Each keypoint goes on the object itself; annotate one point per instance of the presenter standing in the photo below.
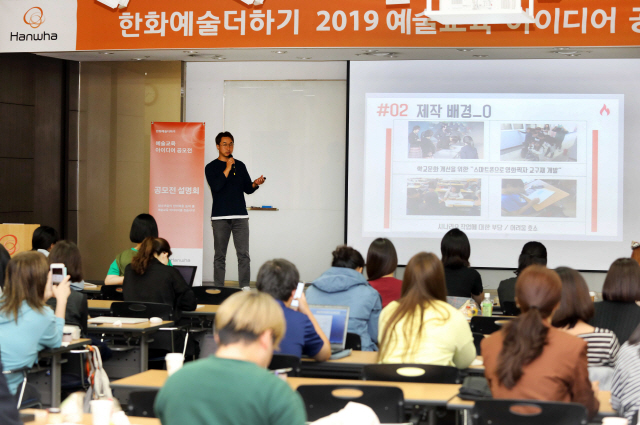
(229, 180)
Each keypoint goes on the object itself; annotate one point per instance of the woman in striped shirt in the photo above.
(575, 310)
(625, 390)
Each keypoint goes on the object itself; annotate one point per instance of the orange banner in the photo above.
(176, 184)
(167, 24)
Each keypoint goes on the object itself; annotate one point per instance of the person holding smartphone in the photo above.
(27, 324)
(280, 279)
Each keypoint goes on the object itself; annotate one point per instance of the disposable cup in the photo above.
(614, 421)
(101, 411)
(174, 362)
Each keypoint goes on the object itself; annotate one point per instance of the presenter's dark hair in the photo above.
(532, 253)
(382, 258)
(278, 278)
(67, 253)
(143, 226)
(223, 134)
(4, 260)
(575, 303)
(622, 283)
(538, 292)
(347, 257)
(455, 249)
(148, 248)
(43, 237)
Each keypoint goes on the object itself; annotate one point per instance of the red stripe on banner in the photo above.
(594, 183)
(387, 182)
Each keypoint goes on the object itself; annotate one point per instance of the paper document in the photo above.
(541, 194)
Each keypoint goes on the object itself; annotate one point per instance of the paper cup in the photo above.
(101, 411)
(614, 421)
(593, 296)
(174, 362)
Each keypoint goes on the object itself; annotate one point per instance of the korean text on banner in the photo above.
(176, 197)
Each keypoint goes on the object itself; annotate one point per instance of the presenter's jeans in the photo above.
(222, 230)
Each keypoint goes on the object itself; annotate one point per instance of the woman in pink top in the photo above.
(382, 261)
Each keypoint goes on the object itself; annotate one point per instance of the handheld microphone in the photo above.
(233, 166)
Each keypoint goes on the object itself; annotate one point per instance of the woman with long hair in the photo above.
(462, 281)
(382, 262)
(27, 324)
(532, 253)
(150, 279)
(421, 327)
(530, 359)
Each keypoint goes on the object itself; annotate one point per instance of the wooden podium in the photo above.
(17, 237)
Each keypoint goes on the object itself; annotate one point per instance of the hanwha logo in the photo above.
(34, 17)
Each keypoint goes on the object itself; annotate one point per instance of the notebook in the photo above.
(333, 320)
(188, 273)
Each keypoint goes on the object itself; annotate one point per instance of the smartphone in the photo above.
(297, 295)
(58, 272)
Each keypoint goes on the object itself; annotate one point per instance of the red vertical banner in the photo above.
(176, 189)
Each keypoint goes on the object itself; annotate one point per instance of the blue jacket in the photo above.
(344, 286)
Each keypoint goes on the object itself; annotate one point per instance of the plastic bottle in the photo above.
(474, 308)
(487, 305)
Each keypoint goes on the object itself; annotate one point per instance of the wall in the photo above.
(36, 101)
(118, 102)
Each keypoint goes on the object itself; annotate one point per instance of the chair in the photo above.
(510, 308)
(426, 374)
(487, 325)
(528, 412)
(353, 342)
(285, 361)
(386, 402)
(477, 340)
(23, 386)
(213, 294)
(111, 292)
(141, 404)
(141, 310)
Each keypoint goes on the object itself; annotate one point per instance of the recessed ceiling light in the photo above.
(480, 56)
(137, 59)
(189, 51)
(381, 54)
(573, 55)
(465, 50)
(280, 52)
(105, 53)
(370, 51)
(562, 48)
(218, 58)
(304, 58)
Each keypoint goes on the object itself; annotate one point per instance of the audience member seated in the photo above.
(150, 279)
(8, 411)
(468, 151)
(77, 312)
(27, 325)
(462, 281)
(4, 260)
(343, 284)
(279, 278)
(233, 387)
(382, 262)
(530, 359)
(143, 226)
(422, 327)
(43, 239)
(625, 390)
(532, 253)
(576, 309)
(619, 311)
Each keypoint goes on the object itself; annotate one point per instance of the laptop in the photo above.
(188, 273)
(333, 320)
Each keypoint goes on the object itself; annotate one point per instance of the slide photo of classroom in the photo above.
(444, 196)
(446, 140)
(538, 198)
(539, 142)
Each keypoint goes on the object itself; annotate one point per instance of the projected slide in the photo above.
(494, 165)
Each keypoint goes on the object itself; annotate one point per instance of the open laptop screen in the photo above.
(188, 273)
(333, 320)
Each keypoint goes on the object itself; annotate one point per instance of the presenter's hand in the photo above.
(259, 181)
(230, 163)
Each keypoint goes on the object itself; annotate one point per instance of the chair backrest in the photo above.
(408, 372)
(509, 308)
(213, 294)
(353, 342)
(487, 325)
(284, 361)
(386, 402)
(141, 404)
(141, 310)
(111, 292)
(528, 412)
(477, 340)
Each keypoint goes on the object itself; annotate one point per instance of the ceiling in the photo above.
(344, 54)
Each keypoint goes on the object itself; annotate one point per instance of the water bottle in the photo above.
(487, 305)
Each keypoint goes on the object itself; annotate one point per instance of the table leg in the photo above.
(144, 352)
(56, 379)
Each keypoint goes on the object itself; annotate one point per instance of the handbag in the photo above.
(99, 387)
(475, 388)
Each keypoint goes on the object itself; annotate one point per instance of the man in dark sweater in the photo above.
(229, 180)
